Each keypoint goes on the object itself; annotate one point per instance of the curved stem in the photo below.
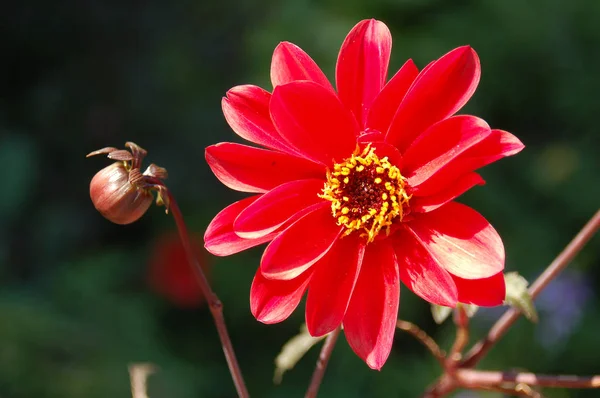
(443, 386)
(215, 305)
(461, 320)
(424, 339)
(479, 350)
(324, 356)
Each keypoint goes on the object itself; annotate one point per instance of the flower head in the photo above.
(355, 189)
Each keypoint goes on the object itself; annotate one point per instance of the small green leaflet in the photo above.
(518, 297)
(293, 351)
(441, 313)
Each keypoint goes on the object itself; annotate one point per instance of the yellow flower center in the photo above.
(367, 193)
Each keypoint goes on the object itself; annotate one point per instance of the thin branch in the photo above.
(479, 350)
(443, 386)
(470, 378)
(424, 339)
(520, 390)
(215, 305)
(324, 356)
(461, 320)
(511, 383)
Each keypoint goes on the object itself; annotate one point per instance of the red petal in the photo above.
(437, 93)
(369, 135)
(370, 321)
(387, 102)
(362, 65)
(275, 207)
(421, 273)
(460, 240)
(499, 144)
(332, 284)
(439, 146)
(300, 245)
(314, 121)
(425, 204)
(250, 169)
(246, 109)
(486, 292)
(272, 301)
(496, 145)
(383, 149)
(291, 63)
(219, 238)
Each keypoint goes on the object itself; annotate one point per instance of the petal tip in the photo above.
(375, 363)
(282, 45)
(318, 330)
(469, 55)
(265, 317)
(210, 247)
(467, 48)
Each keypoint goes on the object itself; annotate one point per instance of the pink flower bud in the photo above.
(116, 198)
(120, 192)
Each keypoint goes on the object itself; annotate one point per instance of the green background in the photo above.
(76, 76)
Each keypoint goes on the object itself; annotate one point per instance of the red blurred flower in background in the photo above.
(356, 187)
(171, 276)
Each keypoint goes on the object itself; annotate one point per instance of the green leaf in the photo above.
(440, 313)
(138, 375)
(517, 295)
(293, 351)
(471, 309)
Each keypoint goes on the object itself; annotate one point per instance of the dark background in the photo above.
(75, 303)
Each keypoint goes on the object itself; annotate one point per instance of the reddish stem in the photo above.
(215, 305)
(479, 350)
(513, 383)
(424, 339)
(324, 356)
(481, 378)
(461, 320)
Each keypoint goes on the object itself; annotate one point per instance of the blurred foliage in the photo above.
(76, 76)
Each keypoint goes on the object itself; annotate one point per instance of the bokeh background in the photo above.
(81, 298)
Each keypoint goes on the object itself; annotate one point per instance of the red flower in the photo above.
(170, 274)
(355, 189)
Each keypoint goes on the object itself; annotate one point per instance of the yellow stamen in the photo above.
(372, 191)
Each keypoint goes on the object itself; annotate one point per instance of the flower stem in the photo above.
(215, 305)
(483, 378)
(479, 350)
(324, 356)
(461, 320)
(424, 339)
(513, 383)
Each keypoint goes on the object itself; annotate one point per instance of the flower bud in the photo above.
(116, 198)
(121, 192)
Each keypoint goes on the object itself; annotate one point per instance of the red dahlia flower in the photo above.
(356, 188)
